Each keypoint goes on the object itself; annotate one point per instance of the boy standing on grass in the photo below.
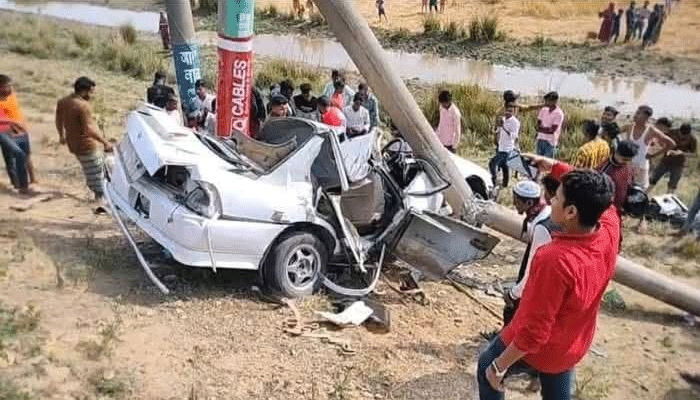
(506, 140)
(554, 325)
(449, 129)
(549, 123)
(77, 129)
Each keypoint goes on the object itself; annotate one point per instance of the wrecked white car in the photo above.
(294, 204)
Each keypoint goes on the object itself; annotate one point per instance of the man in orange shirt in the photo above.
(14, 139)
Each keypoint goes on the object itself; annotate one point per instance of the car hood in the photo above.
(159, 141)
(468, 168)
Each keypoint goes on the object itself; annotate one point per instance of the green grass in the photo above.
(14, 321)
(278, 70)
(431, 25)
(479, 107)
(47, 39)
(128, 33)
(688, 248)
(111, 385)
(10, 391)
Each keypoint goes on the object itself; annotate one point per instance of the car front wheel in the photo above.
(295, 264)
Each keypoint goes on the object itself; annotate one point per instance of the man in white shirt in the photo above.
(506, 139)
(527, 199)
(330, 88)
(357, 117)
(449, 129)
(203, 99)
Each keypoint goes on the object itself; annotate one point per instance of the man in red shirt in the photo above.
(556, 320)
(618, 168)
(331, 115)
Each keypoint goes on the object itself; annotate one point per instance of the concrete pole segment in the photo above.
(185, 50)
(628, 273)
(368, 55)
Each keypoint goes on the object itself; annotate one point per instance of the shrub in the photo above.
(485, 30)
(82, 39)
(452, 32)
(431, 25)
(128, 33)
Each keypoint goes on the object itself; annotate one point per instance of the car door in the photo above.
(436, 244)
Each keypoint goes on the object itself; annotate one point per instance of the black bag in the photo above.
(636, 203)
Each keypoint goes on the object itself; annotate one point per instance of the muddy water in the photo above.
(666, 99)
(95, 15)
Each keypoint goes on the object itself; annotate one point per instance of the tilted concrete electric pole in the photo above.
(185, 49)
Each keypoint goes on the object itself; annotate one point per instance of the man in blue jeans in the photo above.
(692, 213)
(555, 322)
(549, 123)
(14, 139)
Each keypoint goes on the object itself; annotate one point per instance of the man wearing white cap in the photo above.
(527, 199)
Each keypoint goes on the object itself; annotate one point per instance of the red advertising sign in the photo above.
(235, 86)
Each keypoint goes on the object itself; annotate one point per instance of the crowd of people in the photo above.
(349, 112)
(641, 23)
(573, 230)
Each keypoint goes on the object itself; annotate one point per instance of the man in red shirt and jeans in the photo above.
(555, 323)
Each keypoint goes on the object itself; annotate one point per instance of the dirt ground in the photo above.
(108, 333)
(560, 20)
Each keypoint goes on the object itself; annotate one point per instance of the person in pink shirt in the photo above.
(449, 129)
(549, 122)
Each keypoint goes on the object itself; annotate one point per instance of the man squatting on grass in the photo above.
(554, 325)
(77, 129)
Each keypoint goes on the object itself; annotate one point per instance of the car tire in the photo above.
(295, 264)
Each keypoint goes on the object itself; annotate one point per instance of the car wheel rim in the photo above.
(302, 266)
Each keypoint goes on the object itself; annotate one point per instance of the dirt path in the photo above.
(108, 333)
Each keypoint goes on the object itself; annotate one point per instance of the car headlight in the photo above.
(204, 200)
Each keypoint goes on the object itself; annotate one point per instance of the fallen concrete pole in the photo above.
(367, 54)
(369, 57)
(628, 273)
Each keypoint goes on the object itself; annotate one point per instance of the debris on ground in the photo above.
(355, 314)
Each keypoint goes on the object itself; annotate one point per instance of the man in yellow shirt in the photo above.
(595, 151)
(14, 139)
